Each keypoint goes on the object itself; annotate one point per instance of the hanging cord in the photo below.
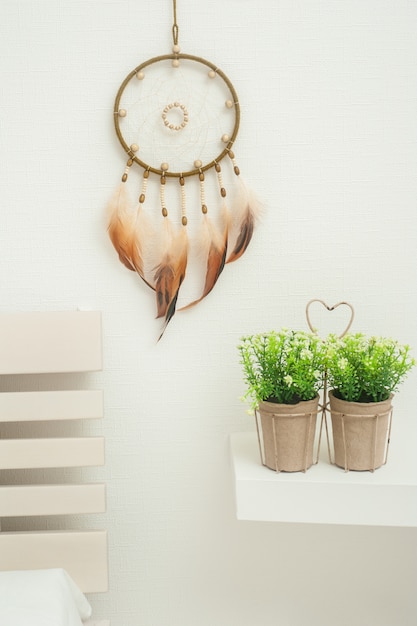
(175, 28)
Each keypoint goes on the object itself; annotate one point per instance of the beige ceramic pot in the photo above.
(361, 433)
(287, 433)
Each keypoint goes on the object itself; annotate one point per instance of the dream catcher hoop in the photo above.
(177, 117)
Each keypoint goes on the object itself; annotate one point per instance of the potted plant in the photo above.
(283, 371)
(363, 374)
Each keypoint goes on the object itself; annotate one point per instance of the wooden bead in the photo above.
(142, 198)
(201, 176)
(134, 147)
(197, 163)
(129, 163)
(182, 181)
(184, 220)
(176, 49)
(223, 192)
(225, 138)
(217, 167)
(231, 154)
(122, 112)
(212, 74)
(146, 174)
(164, 212)
(124, 178)
(237, 170)
(140, 75)
(175, 63)
(204, 209)
(164, 167)
(229, 104)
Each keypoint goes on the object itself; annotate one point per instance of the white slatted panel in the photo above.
(49, 342)
(41, 343)
(82, 554)
(53, 452)
(27, 500)
(28, 406)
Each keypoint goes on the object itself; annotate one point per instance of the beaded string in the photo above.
(202, 193)
(126, 171)
(233, 159)
(162, 196)
(144, 186)
(220, 179)
(183, 202)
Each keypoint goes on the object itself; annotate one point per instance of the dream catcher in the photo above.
(177, 117)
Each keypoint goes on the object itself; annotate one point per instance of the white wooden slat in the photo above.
(51, 452)
(82, 554)
(27, 500)
(48, 342)
(28, 406)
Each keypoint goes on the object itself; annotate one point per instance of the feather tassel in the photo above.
(170, 272)
(128, 230)
(120, 226)
(213, 245)
(246, 211)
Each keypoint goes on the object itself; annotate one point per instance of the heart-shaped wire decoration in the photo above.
(324, 405)
(330, 308)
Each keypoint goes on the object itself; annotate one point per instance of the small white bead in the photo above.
(140, 75)
(229, 104)
(225, 138)
(176, 49)
(197, 163)
(212, 74)
(134, 147)
(164, 167)
(175, 63)
(122, 112)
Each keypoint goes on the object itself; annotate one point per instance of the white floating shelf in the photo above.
(325, 494)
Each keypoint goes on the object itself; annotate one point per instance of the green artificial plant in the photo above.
(283, 366)
(366, 369)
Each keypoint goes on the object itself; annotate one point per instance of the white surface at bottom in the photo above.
(325, 494)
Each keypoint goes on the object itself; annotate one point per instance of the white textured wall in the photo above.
(329, 139)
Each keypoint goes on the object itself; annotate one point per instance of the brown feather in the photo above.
(120, 226)
(216, 257)
(170, 273)
(245, 235)
(177, 277)
(246, 212)
(127, 231)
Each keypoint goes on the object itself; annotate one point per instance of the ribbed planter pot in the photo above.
(361, 432)
(286, 435)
